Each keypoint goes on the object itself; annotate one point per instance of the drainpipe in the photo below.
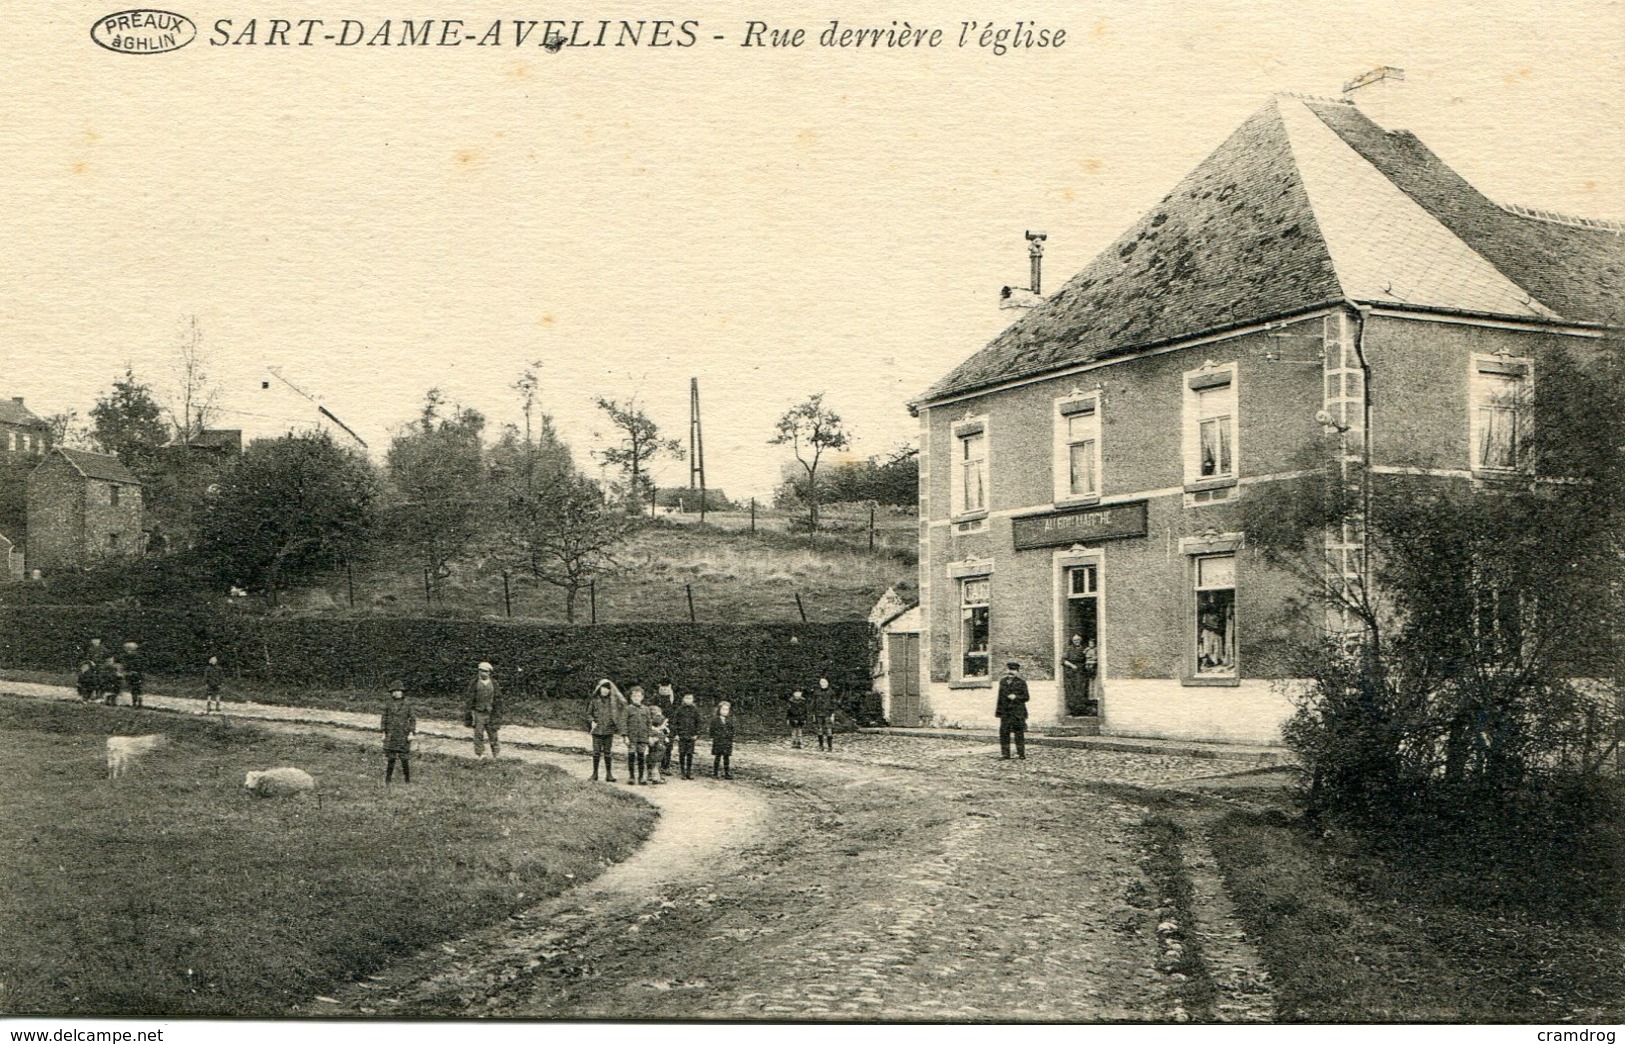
(1362, 313)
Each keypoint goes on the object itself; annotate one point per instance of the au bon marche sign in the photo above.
(1107, 522)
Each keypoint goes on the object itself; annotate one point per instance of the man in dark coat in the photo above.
(482, 710)
(824, 703)
(1011, 709)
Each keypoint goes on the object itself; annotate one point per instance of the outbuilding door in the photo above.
(903, 673)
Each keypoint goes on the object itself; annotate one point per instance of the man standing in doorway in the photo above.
(1012, 711)
(482, 710)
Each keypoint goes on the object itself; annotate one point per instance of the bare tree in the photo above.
(639, 444)
(811, 430)
(193, 406)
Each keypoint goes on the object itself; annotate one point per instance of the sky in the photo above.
(374, 222)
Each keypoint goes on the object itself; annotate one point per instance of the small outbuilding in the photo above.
(82, 508)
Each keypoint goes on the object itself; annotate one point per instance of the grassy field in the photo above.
(735, 575)
(1435, 922)
(173, 892)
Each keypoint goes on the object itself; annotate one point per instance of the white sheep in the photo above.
(279, 782)
(121, 750)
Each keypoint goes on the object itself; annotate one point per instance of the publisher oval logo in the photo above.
(143, 31)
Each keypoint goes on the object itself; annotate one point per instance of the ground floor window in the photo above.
(974, 630)
(1216, 614)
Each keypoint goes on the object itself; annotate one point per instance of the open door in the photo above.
(1080, 656)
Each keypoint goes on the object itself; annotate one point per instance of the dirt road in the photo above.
(895, 879)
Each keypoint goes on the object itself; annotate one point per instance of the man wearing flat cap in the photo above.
(1012, 711)
(482, 709)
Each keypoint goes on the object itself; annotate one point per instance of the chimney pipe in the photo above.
(1035, 252)
(18, 399)
(1380, 95)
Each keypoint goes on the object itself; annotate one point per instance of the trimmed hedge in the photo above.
(754, 665)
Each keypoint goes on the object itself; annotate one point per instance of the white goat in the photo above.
(279, 782)
(121, 750)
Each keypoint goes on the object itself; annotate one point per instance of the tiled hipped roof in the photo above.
(1307, 203)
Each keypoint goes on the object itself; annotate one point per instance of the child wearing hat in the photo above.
(400, 724)
(482, 709)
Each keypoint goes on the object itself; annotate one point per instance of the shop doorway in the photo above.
(1080, 650)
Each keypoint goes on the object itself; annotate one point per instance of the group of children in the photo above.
(821, 709)
(652, 729)
(104, 673)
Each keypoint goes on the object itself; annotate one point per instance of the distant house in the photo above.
(21, 432)
(82, 507)
(217, 444)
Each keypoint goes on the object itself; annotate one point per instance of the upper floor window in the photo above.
(970, 467)
(1210, 425)
(1077, 457)
(1500, 411)
(112, 494)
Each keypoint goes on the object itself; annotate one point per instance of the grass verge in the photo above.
(172, 892)
(1432, 922)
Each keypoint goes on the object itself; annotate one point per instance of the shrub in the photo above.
(753, 665)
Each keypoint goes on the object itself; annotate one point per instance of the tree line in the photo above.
(448, 492)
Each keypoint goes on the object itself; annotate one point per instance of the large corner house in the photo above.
(1083, 474)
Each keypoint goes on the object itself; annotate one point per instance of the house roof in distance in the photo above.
(12, 411)
(1309, 203)
(101, 466)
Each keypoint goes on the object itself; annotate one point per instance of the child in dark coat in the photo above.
(400, 724)
(213, 676)
(796, 714)
(722, 740)
(108, 681)
(685, 726)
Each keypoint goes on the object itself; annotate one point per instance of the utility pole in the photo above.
(323, 410)
(696, 444)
